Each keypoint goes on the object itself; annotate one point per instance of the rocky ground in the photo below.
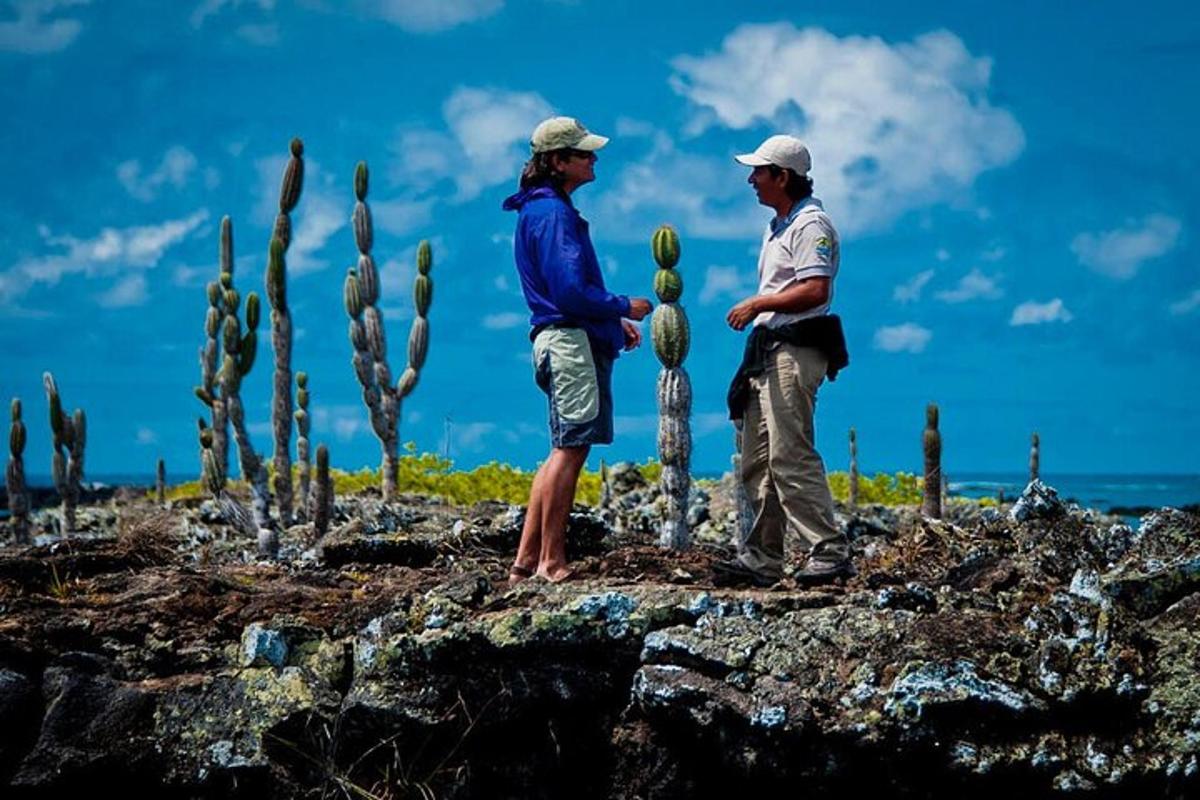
(1037, 649)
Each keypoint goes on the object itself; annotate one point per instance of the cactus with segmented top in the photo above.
(1035, 457)
(281, 329)
(210, 392)
(14, 477)
(360, 294)
(853, 499)
(70, 438)
(322, 494)
(302, 428)
(670, 334)
(240, 350)
(931, 504)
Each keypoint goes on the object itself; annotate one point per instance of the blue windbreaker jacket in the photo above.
(560, 274)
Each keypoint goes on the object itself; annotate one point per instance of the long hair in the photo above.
(539, 171)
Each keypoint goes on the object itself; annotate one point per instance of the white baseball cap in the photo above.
(561, 133)
(782, 151)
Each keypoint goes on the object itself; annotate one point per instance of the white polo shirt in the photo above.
(803, 245)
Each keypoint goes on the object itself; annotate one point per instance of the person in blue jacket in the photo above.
(578, 328)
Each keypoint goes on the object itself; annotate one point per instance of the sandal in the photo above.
(517, 573)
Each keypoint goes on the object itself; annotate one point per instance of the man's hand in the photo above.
(633, 336)
(743, 313)
(639, 307)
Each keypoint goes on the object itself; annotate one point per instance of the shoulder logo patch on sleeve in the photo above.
(824, 246)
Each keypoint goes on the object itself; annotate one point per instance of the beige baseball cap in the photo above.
(560, 133)
(782, 151)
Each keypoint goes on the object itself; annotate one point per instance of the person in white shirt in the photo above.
(795, 343)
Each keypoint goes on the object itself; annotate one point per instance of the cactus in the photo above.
(605, 487)
(669, 330)
(931, 505)
(160, 482)
(70, 437)
(281, 329)
(14, 477)
(238, 360)
(322, 494)
(302, 428)
(1035, 457)
(853, 499)
(745, 509)
(209, 392)
(360, 294)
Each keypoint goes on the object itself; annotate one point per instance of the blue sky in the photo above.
(1015, 184)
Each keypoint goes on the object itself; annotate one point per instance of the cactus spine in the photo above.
(669, 330)
(302, 428)
(210, 392)
(1035, 457)
(70, 437)
(281, 329)
(14, 477)
(321, 499)
(240, 350)
(361, 296)
(853, 499)
(931, 505)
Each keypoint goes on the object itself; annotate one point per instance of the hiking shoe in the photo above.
(735, 573)
(819, 571)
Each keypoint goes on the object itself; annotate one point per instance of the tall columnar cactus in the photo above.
(14, 477)
(669, 330)
(745, 509)
(240, 350)
(1035, 457)
(302, 428)
(361, 296)
(281, 329)
(322, 495)
(70, 437)
(853, 499)
(210, 392)
(160, 482)
(931, 505)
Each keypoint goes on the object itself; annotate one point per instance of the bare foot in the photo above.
(557, 575)
(517, 574)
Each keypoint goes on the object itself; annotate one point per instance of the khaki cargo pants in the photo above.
(781, 470)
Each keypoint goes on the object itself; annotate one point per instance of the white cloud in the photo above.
(429, 16)
(264, 34)
(210, 8)
(401, 217)
(470, 436)
(911, 290)
(892, 127)
(129, 291)
(33, 32)
(1187, 304)
(942, 254)
(909, 337)
(146, 436)
(701, 196)
(1120, 252)
(504, 320)
(729, 283)
(631, 425)
(108, 253)
(971, 286)
(177, 165)
(1032, 313)
(486, 142)
(501, 282)
(343, 421)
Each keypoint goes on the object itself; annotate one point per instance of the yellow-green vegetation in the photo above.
(430, 474)
(902, 488)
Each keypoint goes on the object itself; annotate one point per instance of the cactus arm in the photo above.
(671, 336)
